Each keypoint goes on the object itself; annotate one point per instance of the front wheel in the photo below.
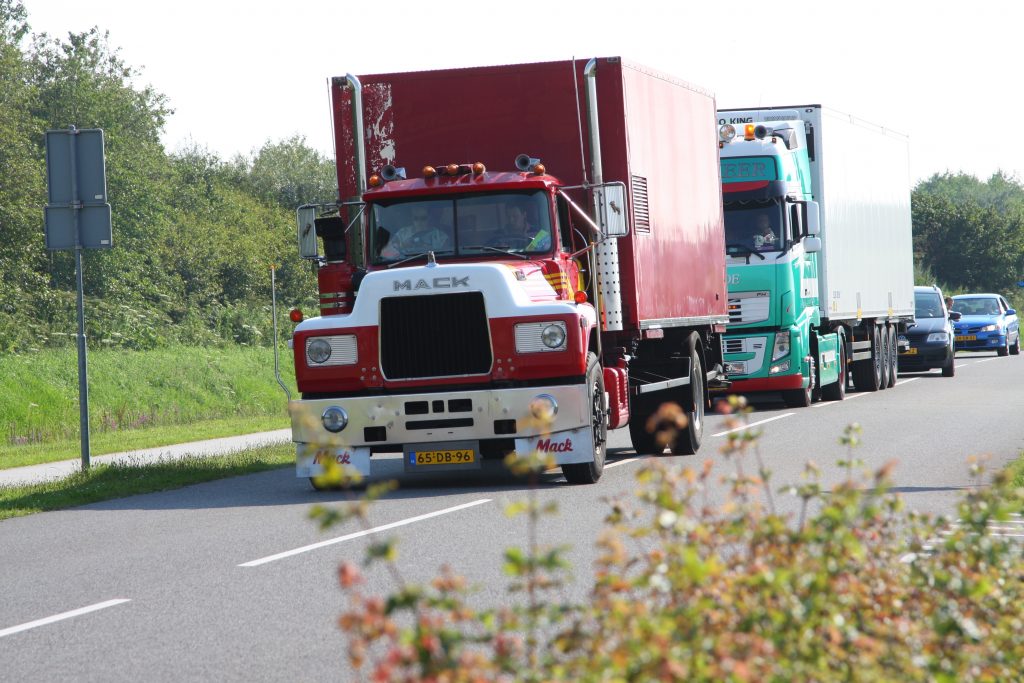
(1015, 349)
(1004, 350)
(837, 390)
(802, 398)
(590, 472)
(949, 369)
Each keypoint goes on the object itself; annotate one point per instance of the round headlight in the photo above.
(335, 419)
(553, 336)
(319, 350)
(727, 132)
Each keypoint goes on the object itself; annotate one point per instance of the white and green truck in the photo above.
(818, 251)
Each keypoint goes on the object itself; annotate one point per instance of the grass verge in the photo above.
(1016, 471)
(104, 482)
(135, 439)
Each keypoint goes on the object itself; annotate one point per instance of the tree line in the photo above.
(195, 235)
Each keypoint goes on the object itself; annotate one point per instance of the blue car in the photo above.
(987, 323)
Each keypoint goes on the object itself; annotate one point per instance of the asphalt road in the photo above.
(230, 580)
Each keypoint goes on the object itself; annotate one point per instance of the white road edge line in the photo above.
(365, 532)
(753, 424)
(62, 616)
(904, 381)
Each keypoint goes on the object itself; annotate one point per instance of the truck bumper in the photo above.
(778, 383)
(457, 420)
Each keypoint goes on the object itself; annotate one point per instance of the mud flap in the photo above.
(569, 447)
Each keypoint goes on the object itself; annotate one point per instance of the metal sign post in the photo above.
(75, 169)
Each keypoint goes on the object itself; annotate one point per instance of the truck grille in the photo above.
(748, 307)
(441, 335)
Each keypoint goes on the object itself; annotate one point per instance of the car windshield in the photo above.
(976, 306)
(517, 223)
(927, 305)
(757, 227)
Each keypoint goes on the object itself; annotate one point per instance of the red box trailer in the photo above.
(533, 308)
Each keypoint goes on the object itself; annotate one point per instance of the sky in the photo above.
(239, 74)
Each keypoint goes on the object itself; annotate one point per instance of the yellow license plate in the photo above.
(966, 337)
(458, 456)
(909, 352)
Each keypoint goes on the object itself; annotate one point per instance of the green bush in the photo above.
(853, 588)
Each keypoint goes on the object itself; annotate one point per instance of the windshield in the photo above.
(754, 227)
(976, 306)
(460, 225)
(927, 305)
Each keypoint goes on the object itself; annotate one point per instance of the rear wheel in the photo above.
(867, 374)
(688, 439)
(837, 390)
(801, 398)
(590, 472)
(894, 357)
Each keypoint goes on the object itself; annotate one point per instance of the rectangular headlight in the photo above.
(340, 349)
(543, 336)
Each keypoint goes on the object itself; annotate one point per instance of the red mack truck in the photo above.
(522, 258)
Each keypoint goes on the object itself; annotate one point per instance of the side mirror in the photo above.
(812, 220)
(812, 245)
(306, 218)
(1011, 311)
(954, 315)
(611, 204)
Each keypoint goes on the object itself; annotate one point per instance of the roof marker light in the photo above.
(375, 181)
(452, 169)
(748, 131)
(478, 168)
(429, 172)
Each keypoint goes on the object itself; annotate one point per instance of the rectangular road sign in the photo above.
(90, 168)
(93, 226)
(76, 184)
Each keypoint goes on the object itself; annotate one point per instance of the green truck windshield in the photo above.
(747, 169)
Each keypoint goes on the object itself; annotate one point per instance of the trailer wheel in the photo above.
(894, 355)
(884, 381)
(837, 390)
(590, 472)
(688, 439)
(867, 374)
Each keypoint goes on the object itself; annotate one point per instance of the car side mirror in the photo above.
(1011, 311)
(954, 315)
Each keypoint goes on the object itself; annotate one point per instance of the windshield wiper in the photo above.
(747, 251)
(495, 249)
(416, 256)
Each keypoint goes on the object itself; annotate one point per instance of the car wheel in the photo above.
(590, 472)
(1015, 349)
(949, 369)
(1004, 350)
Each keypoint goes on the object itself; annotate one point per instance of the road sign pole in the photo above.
(83, 371)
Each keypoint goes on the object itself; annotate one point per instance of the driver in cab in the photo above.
(419, 237)
(521, 234)
(764, 236)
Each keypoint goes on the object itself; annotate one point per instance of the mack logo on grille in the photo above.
(436, 283)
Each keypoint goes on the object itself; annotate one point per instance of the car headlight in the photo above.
(335, 419)
(989, 328)
(938, 337)
(543, 336)
(781, 348)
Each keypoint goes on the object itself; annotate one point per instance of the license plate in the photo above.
(455, 456)
(909, 352)
(966, 337)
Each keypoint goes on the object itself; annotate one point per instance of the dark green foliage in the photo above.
(194, 236)
(970, 234)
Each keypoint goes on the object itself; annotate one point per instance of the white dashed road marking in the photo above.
(62, 616)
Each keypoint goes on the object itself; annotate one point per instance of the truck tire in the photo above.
(640, 412)
(894, 357)
(885, 362)
(802, 398)
(688, 439)
(867, 374)
(837, 390)
(590, 472)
